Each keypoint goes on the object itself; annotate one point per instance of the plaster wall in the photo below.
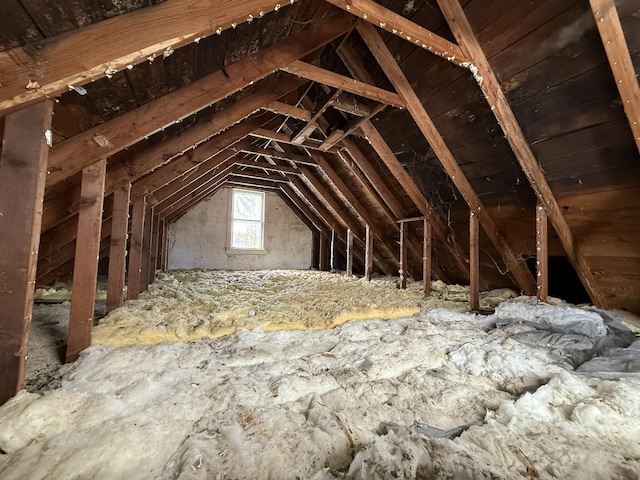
(200, 238)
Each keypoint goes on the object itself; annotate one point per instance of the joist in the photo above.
(268, 152)
(349, 104)
(135, 249)
(514, 264)
(368, 253)
(403, 264)
(335, 80)
(23, 165)
(351, 126)
(285, 109)
(85, 270)
(492, 90)
(305, 131)
(118, 247)
(267, 166)
(104, 140)
(102, 49)
(617, 49)
(349, 267)
(390, 21)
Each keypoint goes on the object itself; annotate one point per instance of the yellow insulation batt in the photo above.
(185, 305)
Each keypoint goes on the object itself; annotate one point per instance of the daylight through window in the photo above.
(247, 226)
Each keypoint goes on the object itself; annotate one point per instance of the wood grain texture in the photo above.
(613, 39)
(134, 269)
(542, 254)
(23, 164)
(85, 271)
(84, 55)
(474, 262)
(118, 247)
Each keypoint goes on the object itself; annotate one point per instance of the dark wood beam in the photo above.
(23, 167)
(135, 249)
(403, 267)
(146, 250)
(427, 247)
(368, 253)
(118, 247)
(85, 270)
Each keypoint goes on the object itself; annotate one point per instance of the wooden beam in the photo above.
(474, 262)
(53, 66)
(349, 128)
(282, 108)
(319, 223)
(266, 166)
(332, 255)
(85, 271)
(283, 138)
(406, 182)
(155, 246)
(368, 253)
(492, 90)
(118, 247)
(305, 131)
(269, 152)
(349, 253)
(615, 45)
(398, 25)
(23, 167)
(146, 250)
(349, 104)
(135, 249)
(402, 262)
(427, 247)
(514, 264)
(327, 77)
(72, 155)
(542, 254)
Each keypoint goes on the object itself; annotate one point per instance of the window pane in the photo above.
(247, 205)
(246, 234)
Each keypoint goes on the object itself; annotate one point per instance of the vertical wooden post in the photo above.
(332, 254)
(118, 247)
(542, 253)
(135, 248)
(322, 252)
(23, 170)
(368, 253)
(315, 249)
(402, 270)
(349, 252)
(426, 257)
(162, 259)
(146, 250)
(85, 269)
(474, 263)
(155, 245)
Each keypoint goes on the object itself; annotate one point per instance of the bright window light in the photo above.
(247, 225)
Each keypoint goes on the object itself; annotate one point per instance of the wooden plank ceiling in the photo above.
(359, 114)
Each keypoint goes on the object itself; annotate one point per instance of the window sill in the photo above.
(240, 251)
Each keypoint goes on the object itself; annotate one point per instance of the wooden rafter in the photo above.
(492, 90)
(91, 52)
(615, 45)
(327, 77)
(514, 264)
(104, 140)
(390, 21)
(118, 247)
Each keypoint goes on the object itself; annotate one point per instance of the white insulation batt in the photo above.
(436, 394)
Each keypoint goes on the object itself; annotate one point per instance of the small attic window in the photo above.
(247, 220)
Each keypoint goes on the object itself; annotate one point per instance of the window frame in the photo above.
(232, 220)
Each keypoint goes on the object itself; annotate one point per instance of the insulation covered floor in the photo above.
(439, 394)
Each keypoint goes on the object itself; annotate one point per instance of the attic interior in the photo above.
(493, 144)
